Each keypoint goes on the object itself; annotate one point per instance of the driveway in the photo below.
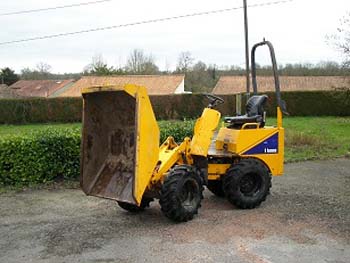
(305, 219)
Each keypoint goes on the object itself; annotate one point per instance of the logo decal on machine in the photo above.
(269, 146)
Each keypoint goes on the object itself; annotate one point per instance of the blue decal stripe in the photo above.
(268, 146)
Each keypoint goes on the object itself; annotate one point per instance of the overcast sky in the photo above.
(297, 29)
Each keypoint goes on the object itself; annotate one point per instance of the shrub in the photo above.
(179, 130)
(40, 156)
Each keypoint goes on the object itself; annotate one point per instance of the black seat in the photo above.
(254, 113)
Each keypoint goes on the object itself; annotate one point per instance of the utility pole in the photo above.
(246, 48)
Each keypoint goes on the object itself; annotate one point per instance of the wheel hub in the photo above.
(188, 194)
(250, 184)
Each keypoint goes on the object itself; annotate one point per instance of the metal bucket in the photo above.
(119, 131)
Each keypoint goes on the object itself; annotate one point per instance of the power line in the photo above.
(53, 8)
(140, 23)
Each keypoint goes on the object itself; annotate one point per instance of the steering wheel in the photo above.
(213, 100)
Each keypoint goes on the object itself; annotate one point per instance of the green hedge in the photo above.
(51, 153)
(313, 103)
(184, 106)
(187, 106)
(38, 110)
(39, 157)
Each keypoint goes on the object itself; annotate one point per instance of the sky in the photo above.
(297, 30)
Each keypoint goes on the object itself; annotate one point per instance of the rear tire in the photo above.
(181, 193)
(247, 183)
(134, 208)
(215, 186)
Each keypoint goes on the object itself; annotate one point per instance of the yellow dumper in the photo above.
(122, 160)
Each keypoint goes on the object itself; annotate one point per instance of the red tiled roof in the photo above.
(237, 84)
(38, 88)
(155, 84)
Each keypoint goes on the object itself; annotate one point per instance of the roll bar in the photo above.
(280, 102)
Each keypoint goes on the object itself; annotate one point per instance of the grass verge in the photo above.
(310, 138)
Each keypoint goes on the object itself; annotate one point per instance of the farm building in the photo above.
(237, 84)
(39, 88)
(155, 84)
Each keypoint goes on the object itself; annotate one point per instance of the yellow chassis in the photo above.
(231, 144)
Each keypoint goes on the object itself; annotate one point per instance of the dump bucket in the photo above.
(120, 142)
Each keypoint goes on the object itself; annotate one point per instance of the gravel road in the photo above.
(305, 219)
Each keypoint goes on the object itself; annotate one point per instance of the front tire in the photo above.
(181, 193)
(247, 183)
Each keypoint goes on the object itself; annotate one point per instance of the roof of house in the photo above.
(237, 84)
(39, 88)
(155, 84)
(6, 92)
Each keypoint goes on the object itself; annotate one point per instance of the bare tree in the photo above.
(135, 61)
(139, 63)
(341, 39)
(40, 72)
(43, 68)
(184, 62)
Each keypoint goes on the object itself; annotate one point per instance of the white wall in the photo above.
(181, 88)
